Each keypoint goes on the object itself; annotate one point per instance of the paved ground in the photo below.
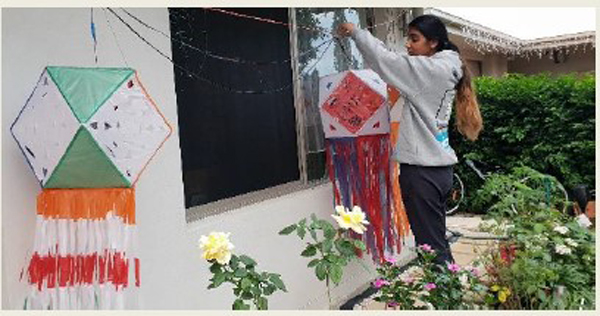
(465, 249)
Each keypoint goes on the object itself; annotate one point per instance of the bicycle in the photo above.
(545, 183)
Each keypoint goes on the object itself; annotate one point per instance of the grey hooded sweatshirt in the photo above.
(428, 87)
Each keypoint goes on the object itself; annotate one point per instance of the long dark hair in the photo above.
(468, 117)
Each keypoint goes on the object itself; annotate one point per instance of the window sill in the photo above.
(199, 212)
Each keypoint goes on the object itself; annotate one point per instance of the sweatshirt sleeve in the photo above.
(410, 74)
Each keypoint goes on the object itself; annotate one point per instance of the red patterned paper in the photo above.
(352, 103)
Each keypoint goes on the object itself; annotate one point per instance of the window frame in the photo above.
(198, 212)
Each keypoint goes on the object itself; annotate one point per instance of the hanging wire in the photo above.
(199, 77)
(115, 37)
(219, 57)
(237, 60)
(256, 18)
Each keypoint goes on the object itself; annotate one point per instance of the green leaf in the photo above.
(313, 262)
(246, 283)
(325, 224)
(321, 271)
(301, 231)
(336, 273)
(538, 228)
(215, 268)
(302, 222)
(240, 272)
(262, 303)
(233, 263)
(313, 234)
(239, 305)
(309, 251)
(219, 278)
(288, 230)
(327, 245)
(329, 232)
(256, 291)
(269, 289)
(276, 279)
(247, 295)
(247, 260)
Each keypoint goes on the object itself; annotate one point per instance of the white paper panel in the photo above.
(45, 128)
(128, 128)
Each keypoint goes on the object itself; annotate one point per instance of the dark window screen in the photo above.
(233, 143)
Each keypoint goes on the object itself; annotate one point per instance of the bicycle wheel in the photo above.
(554, 192)
(456, 196)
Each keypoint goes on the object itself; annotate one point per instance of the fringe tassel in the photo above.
(362, 174)
(83, 256)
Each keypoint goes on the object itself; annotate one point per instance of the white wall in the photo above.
(173, 275)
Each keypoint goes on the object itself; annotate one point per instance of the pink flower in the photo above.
(390, 260)
(426, 247)
(475, 272)
(380, 282)
(453, 267)
(393, 304)
(430, 286)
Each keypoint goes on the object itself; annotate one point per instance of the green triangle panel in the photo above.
(86, 89)
(85, 165)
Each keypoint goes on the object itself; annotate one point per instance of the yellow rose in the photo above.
(495, 288)
(354, 220)
(216, 246)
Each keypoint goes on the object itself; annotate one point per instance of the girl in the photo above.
(430, 77)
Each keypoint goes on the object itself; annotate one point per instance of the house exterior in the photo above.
(173, 274)
(492, 53)
(178, 200)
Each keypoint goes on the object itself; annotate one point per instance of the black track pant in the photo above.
(424, 192)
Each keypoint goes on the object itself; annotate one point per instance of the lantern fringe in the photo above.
(361, 173)
(83, 255)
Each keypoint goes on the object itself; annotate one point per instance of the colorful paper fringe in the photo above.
(363, 174)
(83, 255)
(360, 170)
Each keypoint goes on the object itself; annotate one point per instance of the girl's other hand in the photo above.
(345, 29)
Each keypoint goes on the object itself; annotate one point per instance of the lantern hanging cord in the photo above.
(93, 33)
(115, 37)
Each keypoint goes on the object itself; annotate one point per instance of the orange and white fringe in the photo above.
(83, 255)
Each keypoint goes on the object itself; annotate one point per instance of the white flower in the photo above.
(583, 221)
(571, 242)
(415, 271)
(407, 278)
(464, 280)
(563, 230)
(562, 249)
(355, 220)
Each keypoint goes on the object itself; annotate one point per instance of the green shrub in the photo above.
(544, 122)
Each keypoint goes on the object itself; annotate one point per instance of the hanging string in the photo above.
(93, 33)
(317, 29)
(115, 37)
(198, 76)
(219, 57)
(256, 18)
(345, 53)
(240, 60)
